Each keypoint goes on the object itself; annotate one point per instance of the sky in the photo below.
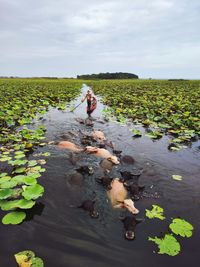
(64, 38)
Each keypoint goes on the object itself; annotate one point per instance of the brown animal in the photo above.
(118, 197)
(102, 153)
(98, 135)
(69, 145)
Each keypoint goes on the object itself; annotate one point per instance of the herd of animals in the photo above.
(121, 191)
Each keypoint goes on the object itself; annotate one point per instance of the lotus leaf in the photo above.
(177, 177)
(15, 217)
(181, 227)
(32, 163)
(5, 193)
(18, 162)
(14, 204)
(33, 192)
(167, 245)
(27, 259)
(8, 184)
(137, 133)
(4, 179)
(156, 212)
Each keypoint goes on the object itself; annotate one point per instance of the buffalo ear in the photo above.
(139, 220)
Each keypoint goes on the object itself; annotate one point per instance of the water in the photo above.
(63, 235)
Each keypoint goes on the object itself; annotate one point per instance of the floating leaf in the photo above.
(177, 177)
(5, 193)
(156, 212)
(4, 179)
(33, 192)
(27, 259)
(181, 227)
(14, 204)
(167, 245)
(14, 217)
(137, 133)
(8, 184)
(32, 163)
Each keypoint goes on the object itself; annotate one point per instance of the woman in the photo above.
(91, 102)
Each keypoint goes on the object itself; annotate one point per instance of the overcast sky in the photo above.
(151, 38)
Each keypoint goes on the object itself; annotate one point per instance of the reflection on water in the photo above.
(64, 235)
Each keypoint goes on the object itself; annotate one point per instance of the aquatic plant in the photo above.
(177, 177)
(167, 245)
(163, 106)
(181, 227)
(156, 212)
(21, 102)
(27, 258)
(14, 217)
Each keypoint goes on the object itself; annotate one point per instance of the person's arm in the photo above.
(84, 99)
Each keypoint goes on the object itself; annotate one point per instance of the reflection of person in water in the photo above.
(91, 102)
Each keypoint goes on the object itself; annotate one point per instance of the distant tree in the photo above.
(107, 75)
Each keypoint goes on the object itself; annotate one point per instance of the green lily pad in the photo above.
(4, 179)
(167, 245)
(181, 227)
(5, 193)
(32, 163)
(156, 212)
(15, 217)
(14, 204)
(137, 133)
(27, 259)
(33, 192)
(8, 184)
(177, 177)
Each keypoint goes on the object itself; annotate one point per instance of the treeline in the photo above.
(107, 75)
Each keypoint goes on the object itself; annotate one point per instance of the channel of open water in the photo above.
(65, 236)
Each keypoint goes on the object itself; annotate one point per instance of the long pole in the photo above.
(76, 107)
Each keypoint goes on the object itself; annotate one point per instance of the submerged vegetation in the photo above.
(163, 107)
(22, 101)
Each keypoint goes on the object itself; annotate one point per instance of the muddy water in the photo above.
(64, 235)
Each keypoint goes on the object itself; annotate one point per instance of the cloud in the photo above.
(151, 38)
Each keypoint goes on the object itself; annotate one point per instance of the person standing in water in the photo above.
(91, 102)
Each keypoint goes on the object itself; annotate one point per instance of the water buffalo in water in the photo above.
(98, 135)
(70, 146)
(88, 205)
(130, 223)
(105, 181)
(101, 152)
(118, 197)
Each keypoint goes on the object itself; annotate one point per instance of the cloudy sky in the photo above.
(151, 38)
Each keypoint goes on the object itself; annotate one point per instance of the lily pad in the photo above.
(177, 177)
(136, 133)
(167, 245)
(14, 204)
(156, 212)
(27, 259)
(15, 217)
(5, 193)
(33, 192)
(181, 227)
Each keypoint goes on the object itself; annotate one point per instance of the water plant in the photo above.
(155, 212)
(167, 245)
(27, 258)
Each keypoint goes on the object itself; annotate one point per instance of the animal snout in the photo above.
(130, 235)
(94, 214)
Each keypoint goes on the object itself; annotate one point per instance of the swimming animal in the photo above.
(88, 205)
(101, 152)
(130, 223)
(118, 196)
(70, 146)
